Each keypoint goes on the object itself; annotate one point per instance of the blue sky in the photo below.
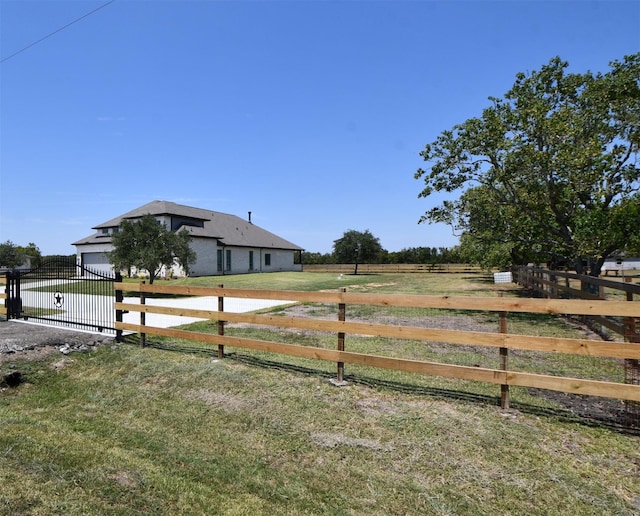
(309, 114)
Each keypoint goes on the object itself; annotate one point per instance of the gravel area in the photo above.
(24, 341)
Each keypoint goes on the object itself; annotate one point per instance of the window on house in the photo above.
(228, 263)
(105, 231)
(267, 259)
(219, 257)
(250, 260)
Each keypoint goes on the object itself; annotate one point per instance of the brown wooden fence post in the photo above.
(631, 323)
(504, 360)
(220, 323)
(143, 318)
(631, 367)
(342, 315)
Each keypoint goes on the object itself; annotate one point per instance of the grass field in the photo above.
(127, 431)
(430, 284)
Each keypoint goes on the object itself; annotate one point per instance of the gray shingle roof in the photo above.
(228, 229)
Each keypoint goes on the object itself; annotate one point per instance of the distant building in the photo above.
(24, 266)
(619, 264)
(224, 244)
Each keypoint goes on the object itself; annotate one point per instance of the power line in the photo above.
(55, 32)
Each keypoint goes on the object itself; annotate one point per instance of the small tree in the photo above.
(357, 247)
(147, 244)
(10, 255)
(31, 250)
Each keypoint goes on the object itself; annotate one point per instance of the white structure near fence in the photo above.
(502, 277)
(619, 264)
(223, 243)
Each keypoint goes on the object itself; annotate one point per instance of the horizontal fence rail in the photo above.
(502, 340)
(368, 268)
(3, 301)
(560, 284)
(554, 283)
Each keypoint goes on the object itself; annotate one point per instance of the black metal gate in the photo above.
(61, 292)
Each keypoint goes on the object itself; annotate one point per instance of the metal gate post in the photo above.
(119, 299)
(6, 296)
(14, 298)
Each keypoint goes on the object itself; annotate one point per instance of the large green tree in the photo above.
(357, 247)
(147, 244)
(550, 172)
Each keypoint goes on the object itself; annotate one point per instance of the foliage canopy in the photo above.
(549, 173)
(10, 255)
(357, 247)
(33, 251)
(149, 245)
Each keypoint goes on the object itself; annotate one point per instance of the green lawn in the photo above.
(128, 431)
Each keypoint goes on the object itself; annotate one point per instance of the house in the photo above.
(223, 243)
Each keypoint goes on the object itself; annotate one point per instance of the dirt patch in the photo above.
(325, 440)
(227, 401)
(588, 408)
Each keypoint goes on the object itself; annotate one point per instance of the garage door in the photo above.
(97, 262)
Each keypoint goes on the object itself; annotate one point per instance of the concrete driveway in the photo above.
(100, 308)
(234, 305)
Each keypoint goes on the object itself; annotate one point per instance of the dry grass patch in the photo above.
(153, 431)
(133, 431)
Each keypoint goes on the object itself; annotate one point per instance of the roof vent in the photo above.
(250, 218)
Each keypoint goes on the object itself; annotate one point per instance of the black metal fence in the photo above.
(60, 292)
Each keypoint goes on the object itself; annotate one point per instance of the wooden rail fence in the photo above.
(558, 284)
(501, 339)
(368, 268)
(3, 303)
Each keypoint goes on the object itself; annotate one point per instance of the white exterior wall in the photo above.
(206, 263)
(240, 260)
(281, 260)
(206, 259)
